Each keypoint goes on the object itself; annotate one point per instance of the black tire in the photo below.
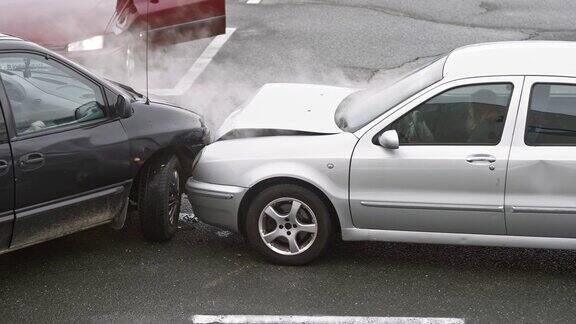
(158, 203)
(324, 231)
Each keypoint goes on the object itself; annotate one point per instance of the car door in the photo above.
(448, 173)
(71, 155)
(6, 181)
(540, 189)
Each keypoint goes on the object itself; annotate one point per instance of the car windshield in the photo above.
(362, 107)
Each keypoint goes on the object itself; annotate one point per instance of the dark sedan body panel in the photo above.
(6, 180)
(77, 160)
(156, 126)
(69, 177)
(82, 160)
(7, 194)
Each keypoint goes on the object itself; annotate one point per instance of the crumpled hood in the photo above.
(286, 107)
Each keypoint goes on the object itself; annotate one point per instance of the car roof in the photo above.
(554, 58)
(8, 37)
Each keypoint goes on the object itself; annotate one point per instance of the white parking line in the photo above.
(260, 319)
(253, 1)
(198, 67)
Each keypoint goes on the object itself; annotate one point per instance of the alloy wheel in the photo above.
(288, 226)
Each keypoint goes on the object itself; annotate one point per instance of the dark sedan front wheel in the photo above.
(159, 198)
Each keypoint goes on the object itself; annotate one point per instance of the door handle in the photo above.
(481, 158)
(32, 158)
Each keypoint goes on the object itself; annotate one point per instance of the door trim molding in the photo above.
(6, 217)
(543, 210)
(71, 200)
(357, 234)
(429, 206)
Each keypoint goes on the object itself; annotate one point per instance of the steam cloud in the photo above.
(228, 82)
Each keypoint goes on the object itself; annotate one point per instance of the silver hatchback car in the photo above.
(478, 148)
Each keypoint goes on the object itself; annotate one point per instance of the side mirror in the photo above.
(88, 111)
(389, 139)
(123, 107)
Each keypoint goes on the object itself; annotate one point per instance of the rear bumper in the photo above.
(215, 204)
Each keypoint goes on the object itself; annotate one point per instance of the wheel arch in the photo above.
(184, 155)
(266, 183)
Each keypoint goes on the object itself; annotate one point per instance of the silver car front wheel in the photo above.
(289, 224)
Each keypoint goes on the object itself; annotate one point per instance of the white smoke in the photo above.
(228, 81)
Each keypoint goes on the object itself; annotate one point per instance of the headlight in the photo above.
(90, 44)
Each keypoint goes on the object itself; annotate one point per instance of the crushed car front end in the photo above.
(285, 133)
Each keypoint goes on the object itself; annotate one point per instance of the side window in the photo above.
(472, 115)
(44, 94)
(551, 116)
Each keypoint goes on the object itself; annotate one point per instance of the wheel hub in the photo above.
(288, 226)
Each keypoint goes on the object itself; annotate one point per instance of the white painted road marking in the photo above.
(261, 319)
(198, 67)
(253, 1)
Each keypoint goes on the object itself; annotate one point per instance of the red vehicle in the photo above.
(93, 31)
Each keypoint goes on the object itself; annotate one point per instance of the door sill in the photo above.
(62, 234)
(357, 234)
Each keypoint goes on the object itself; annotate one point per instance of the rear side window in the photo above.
(551, 116)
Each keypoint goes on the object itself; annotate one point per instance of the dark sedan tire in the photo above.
(289, 225)
(159, 198)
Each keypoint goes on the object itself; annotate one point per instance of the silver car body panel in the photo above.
(295, 107)
(432, 187)
(541, 58)
(320, 160)
(412, 194)
(215, 204)
(541, 184)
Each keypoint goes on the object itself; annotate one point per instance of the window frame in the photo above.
(534, 84)
(13, 136)
(3, 122)
(375, 137)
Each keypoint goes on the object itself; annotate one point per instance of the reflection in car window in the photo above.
(44, 94)
(551, 116)
(471, 115)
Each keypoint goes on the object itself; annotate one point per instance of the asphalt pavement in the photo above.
(104, 275)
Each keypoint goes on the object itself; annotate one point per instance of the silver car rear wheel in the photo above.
(288, 226)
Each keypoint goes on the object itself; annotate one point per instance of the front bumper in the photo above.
(215, 204)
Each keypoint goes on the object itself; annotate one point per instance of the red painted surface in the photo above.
(56, 23)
